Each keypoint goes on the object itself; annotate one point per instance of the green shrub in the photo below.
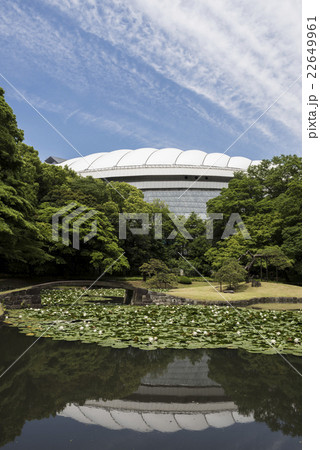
(184, 280)
(162, 281)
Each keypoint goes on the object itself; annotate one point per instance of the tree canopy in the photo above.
(267, 197)
(269, 200)
(232, 273)
(158, 273)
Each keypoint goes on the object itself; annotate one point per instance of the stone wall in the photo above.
(31, 296)
(26, 298)
(21, 299)
(161, 298)
(2, 313)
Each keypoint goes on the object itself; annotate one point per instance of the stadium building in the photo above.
(169, 174)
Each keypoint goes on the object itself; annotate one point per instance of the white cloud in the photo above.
(240, 55)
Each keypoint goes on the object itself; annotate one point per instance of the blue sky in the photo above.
(154, 73)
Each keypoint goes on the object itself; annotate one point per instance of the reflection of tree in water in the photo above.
(263, 384)
(55, 373)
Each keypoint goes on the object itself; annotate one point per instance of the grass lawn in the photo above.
(203, 291)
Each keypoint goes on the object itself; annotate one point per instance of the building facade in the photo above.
(184, 180)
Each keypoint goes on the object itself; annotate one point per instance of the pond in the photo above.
(76, 315)
(72, 395)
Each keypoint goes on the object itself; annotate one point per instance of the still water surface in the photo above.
(68, 395)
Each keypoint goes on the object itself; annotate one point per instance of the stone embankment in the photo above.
(1, 312)
(24, 298)
(31, 297)
(161, 298)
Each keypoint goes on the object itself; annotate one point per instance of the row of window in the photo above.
(190, 200)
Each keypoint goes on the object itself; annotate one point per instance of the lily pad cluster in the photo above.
(70, 315)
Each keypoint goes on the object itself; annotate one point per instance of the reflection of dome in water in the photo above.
(118, 415)
(182, 398)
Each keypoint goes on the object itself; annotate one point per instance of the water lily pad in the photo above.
(66, 316)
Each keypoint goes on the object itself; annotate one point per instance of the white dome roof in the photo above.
(156, 157)
(164, 156)
(136, 157)
(79, 164)
(191, 158)
(239, 162)
(216, 159)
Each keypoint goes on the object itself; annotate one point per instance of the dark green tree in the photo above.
(158, 273)
(93, 256)
(268, 199)
(231, 273)
(276, 258)
(153, 266)
(20, 243)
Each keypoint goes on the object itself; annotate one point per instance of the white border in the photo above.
(311, 240)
